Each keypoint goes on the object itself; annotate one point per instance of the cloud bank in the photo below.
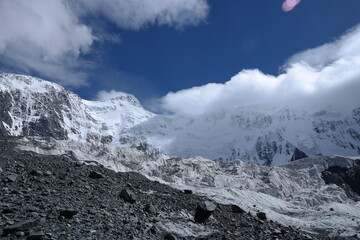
(316, 78)
(49, 37)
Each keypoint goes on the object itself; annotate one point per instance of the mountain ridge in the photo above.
(34, 107)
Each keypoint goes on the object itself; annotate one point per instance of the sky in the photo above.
(188, 56)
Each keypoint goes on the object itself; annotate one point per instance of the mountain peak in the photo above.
(9, 81)
(35, 107)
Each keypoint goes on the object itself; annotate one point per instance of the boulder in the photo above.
(68, 213)
(127, 195)
(21, 226)
(95, 175)
(12, 177)
(261, 215)
(236, 209)
(188, 191)
(203, 211)
(36, 236)
(36, 173)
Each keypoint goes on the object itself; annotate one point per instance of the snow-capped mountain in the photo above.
(262, 136)
(34, 107)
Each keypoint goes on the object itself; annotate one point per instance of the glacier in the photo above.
(293, 194)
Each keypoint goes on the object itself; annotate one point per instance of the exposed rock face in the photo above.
(347, 178)
(4, 112)
(33, 107)
(67, 204)
(298, 154)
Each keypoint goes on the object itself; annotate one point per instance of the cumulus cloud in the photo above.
(49, 38)
(42, 36)
(316, 78)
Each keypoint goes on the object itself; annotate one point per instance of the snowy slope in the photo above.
(34, 107)
(293, 194)
(261, 136)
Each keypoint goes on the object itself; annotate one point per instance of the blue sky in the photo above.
(215, 42)
(236, 35)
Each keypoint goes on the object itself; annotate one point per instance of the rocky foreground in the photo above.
(56, 197)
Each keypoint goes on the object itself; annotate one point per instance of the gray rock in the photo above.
(36, 236)
(127, 195)
(8, 210)
(68, 213)
(261, 215)
(12, 177)
(36, 173)
(169, 236)
(203, 211)
(95, 175)
(188, 191)
(19, 234)
(236, 209)
(149, 208)
(21, 226)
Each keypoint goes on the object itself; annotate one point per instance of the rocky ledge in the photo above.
(56, 197)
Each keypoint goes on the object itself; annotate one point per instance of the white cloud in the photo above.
(326, 75)
(107, 95)
(135, 14)
(49, 38)
(43, 36)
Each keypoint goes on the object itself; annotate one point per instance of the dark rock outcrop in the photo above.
(5, 100)
(204, 211)
(298, 154)
(68, 213)
(95, 175)
(346, 178)
(236, 209)
(261, 215)
(127, 195)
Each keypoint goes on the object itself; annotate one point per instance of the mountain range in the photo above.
(296, 168)
(265, 136)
